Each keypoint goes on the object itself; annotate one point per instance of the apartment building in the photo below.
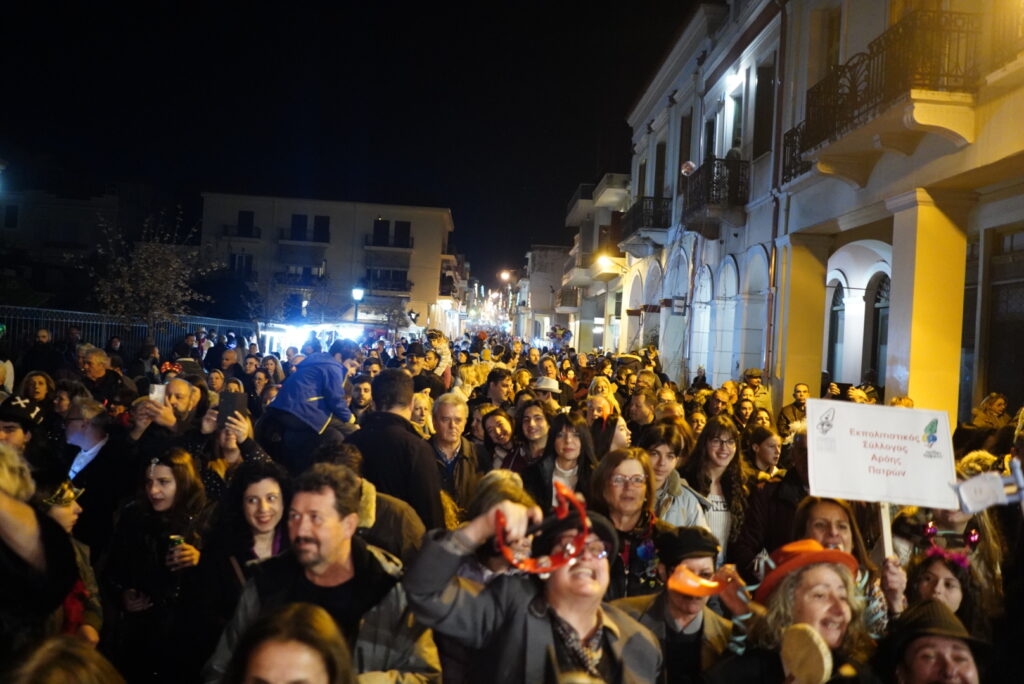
(306, 256)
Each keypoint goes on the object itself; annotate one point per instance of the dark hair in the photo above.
(63, 659)
(347, 348)
(573, 421)
(362, 379)
(970, 612)
(74, 388)
(231, 530)
(649, 398)
(734, 478)
(525, 392)
(340, 453)
(659, 433)
(859, 550)
(339, 479)
(305, 623)
(372, 361)
(603, 474)
(497, 413)
(391, 388)
(521, 416)
(497, 375)
(51, 386)
(754, 435)
(189, 494)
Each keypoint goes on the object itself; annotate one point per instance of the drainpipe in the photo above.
(769, 349)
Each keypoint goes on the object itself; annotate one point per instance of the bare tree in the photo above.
(148, 277)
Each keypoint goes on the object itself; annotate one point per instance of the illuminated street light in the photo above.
(505, 275)
(357, 296)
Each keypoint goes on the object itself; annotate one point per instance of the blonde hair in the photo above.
(15, 476)
(767, 631)
(428, 415)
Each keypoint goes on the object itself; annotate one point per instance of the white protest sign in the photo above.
(888, 454)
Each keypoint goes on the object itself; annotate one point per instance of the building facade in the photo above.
(830, 185)
(307, 256)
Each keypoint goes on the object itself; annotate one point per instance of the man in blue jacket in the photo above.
(309, 409)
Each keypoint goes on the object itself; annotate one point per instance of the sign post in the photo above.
(883, 454)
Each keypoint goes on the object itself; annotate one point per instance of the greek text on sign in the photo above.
(864, 452)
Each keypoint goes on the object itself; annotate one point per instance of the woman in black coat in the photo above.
(568, 456)
(151, 572)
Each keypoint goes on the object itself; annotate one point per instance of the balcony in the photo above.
(1008, 36)
(645, 224)
(567, 301)
(793, 163)
(918, 77)
(717, 193)
(575, 273)
(299, 279)
(606, 268)
(580, 205)
(241, 232)
(387, 242)
(612, 190)
(316, 239)
(389, 288)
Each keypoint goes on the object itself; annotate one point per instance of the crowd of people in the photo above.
(362, 510)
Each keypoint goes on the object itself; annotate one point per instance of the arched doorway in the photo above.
(700, 333)
(752, 312)
(723, 323)
(652, 315)
(673, 319)
(631, 316)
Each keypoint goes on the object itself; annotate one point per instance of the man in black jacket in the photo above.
(456, 456)
(395, 458)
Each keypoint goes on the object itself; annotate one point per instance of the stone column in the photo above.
(803, 263)
(926, 307)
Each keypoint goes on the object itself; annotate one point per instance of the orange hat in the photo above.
(796, 555)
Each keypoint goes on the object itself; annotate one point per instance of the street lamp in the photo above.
(357, 296)
(504, 275)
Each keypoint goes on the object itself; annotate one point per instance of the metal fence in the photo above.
(23, 322)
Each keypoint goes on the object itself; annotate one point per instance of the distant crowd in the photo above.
(458, 511)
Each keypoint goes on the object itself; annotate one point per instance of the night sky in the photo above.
(497, 111)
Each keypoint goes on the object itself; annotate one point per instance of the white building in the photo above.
(864, 216)
(295, 250)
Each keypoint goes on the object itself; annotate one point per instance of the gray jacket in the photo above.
(508, 620)
(678, 504)
(392, 646)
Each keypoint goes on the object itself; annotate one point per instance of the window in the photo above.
(764, 110)
(880, 327)
(659, 170)
(396, 280)
(641, 179)
(403, 234)
(826, 24)
(11, 216)
(836, 320)
(381, 230)
(245, 222)
(241, 264)
(736, 99)
(709, 138)
(685, 131)
(299, 222)
(321, 228)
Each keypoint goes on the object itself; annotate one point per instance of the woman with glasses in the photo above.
(715, 472)
(623, 489)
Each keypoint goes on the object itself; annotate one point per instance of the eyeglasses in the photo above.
(715, 442)
(622, 480)
(596, 548)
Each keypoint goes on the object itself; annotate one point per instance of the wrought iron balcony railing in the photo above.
(793, 164)
(388, 241)
(390, 285)
(718, 183)
(647, 212)
(928, 50)
(253, 232)
(1007, 32)
(299, 279)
